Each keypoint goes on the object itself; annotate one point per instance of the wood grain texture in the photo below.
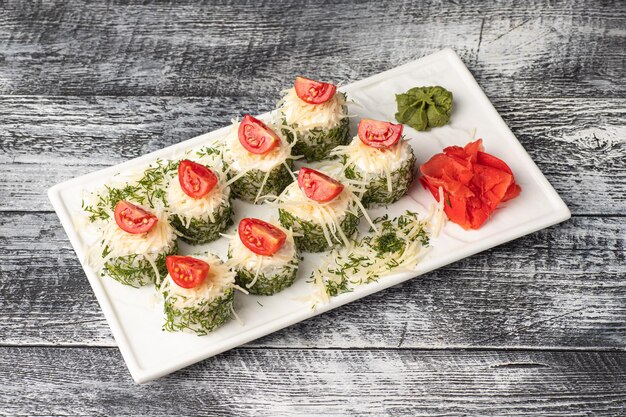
(540, 322)
(48, 140)
(559, 288)
(245, 382)
(536, 49)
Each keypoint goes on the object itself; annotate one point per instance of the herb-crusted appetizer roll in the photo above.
(316, 115)
(320, 211)
(197, 293)
(379, 159)
(129, 218)
(136, 244)
(199, 202)
(264, 257)
(258, 159)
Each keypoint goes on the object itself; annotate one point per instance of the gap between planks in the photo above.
(452, 348)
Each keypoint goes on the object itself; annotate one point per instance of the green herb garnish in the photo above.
(396, 246)
(147, 190)
(424, 107)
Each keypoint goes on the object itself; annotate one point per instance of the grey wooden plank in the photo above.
(570, 48)
(562, 287)
(577, 143)
(242, 382)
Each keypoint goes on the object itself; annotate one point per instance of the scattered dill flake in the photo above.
(149, 189)
(388, 242)
(424, 107)
(398, 246)
(259, 303)
(209, 150)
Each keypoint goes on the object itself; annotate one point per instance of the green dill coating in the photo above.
(201, 318)
(376, 193)
(247, 187)
(312, 237)
(147, 190)
(267, 283)
(135, 270)
(203, 230)
(317, 143)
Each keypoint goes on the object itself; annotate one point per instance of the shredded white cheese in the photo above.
(219, 279)
(121, 243)
(302, 116)
(187, 208)
(328, 215)
(297, 203)
(372, 160)
(240, 255)
(242, 161)
(439, 213)
(345, 268)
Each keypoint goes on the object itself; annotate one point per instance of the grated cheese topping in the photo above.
(122, 243)
(218, 281)
(241, 160)
(188, 208)
(372, 160)
(297, 203)
(302, 116)
(244, 257)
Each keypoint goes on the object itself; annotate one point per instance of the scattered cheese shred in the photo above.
(328, 215)
(240, 160)
(120, 243)
(399, 245)
(220, 279)
(372, 162)
(239, 320)
(187, 208)
(302, 116)
(241, 256)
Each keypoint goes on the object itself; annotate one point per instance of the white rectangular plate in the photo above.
(135, 317)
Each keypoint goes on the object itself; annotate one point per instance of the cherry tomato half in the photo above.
(317, 186)
(378, 134)
(261, 237)
(196, 180)
(314, 92)
(187, 272)
(133, 219)
(255, 136)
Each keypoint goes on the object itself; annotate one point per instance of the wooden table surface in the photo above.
(536, 326)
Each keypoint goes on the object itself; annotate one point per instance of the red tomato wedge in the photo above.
(317, 186)
(133, 219)
(378, 134)
(196, 180)
(314, 92)
(187, 272)
(261, 237)
(473, 182)
(256, 137)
